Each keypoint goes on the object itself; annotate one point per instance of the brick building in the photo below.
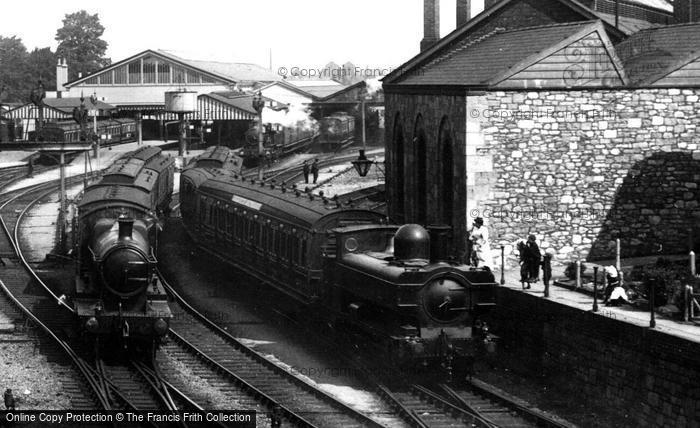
(544, 117)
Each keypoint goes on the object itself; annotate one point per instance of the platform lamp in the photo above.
(258, 105)
(362, 164)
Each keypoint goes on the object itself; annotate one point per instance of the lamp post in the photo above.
(95, 137)
(258, 105)
(363, 96)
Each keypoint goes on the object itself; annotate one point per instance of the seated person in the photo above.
(615, 294)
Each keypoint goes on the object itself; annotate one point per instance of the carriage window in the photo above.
(282, 246)
(303, 251)
(270, 245)
(229, 222)
(257, 229)
(294, 247)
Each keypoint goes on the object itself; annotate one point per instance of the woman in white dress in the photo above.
(481, 246)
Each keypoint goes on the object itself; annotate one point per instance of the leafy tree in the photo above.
(41, 65)
(13, 73)
(80, 44)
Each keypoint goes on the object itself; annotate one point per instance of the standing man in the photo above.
(481, 247)
(533, 259)
(314, 170)
(9, 399)
(306, 171)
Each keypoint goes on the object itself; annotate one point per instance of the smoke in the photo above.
(293, 116)
(373, 85)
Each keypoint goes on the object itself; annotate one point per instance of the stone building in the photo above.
(544, 118)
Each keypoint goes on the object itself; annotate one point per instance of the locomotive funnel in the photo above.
(126, 227)
(411, 242)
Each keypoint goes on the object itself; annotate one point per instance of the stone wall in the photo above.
(582, 168)
(650, 376)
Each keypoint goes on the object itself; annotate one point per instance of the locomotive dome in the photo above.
(411, 242)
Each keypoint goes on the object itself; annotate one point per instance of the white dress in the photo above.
(481, 245)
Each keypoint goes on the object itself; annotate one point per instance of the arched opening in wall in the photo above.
(420, 174)
(399, 162)
(446, 188)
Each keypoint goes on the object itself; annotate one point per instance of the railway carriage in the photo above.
(117, 291)
(336, 132)
(347, 264)
(110, 131)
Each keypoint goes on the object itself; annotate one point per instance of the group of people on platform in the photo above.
(531, 258)
(313, 169)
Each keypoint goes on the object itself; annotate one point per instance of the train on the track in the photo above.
(379, 280)
(109, 131)
(278, 141)
(118, 294)
(337, 131)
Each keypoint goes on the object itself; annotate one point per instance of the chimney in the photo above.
(431, 23)
(61, 76)
(489, 3)
(126, 227)
(464, 12)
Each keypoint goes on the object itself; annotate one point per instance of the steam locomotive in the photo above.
(117, 291)
(336, 132)
(278, 141)
(379, 280)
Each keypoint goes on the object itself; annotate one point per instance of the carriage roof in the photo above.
(102, 196)
(286, 206)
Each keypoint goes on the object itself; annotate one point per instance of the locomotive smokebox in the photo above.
(411, 242)
(126, 228)
(439, 242)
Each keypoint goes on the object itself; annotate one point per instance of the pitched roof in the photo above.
(318, 88)
(240, 101)
(499, 54)
(652, 54)
(462, 32)
(628, 25)
(228, 72)
(67, 104)
(236, 71)
(289, 86)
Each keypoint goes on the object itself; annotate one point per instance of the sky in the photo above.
(300, 33)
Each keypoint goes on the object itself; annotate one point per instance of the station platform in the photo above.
(77, 166)
(582, 300)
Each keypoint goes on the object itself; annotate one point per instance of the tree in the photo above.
(13, 72)
(80, 44)
(41, 65)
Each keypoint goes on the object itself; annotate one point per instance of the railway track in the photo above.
(23, 293)
(196, 338)
(27, 298)
(498, 408)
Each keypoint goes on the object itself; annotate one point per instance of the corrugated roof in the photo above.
(479, 62)
(67, 104)
(654, 53)
(239, 100)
